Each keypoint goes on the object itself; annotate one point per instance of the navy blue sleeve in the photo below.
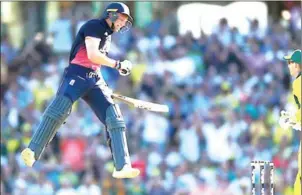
(93, 28)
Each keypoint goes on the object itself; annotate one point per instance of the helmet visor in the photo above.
(128, 24)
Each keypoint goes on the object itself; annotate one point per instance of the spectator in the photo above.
(89, 187)
(62, 33)
(66, 188)
(4, 75)
(255, 31)
(7, 49)
(189, 141)
(155, 186)
(223, 32)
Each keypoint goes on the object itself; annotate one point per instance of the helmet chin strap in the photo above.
(112, 26)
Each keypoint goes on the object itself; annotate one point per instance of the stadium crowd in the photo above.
(225, 92)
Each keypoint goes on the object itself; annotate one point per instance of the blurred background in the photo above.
(217, 65)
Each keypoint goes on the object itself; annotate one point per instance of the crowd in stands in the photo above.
(225, 92)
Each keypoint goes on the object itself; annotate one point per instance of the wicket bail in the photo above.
(262, 176)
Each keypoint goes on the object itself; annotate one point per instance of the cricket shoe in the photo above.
(126, 172)
(28, 156)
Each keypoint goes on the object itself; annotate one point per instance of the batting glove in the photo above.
(287, 120)
(284, 122)
(124, 67)
(297, 126)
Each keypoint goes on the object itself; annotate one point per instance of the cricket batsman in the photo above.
(83, 79)
(288, 119)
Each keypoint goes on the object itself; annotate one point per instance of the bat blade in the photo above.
(154, 107)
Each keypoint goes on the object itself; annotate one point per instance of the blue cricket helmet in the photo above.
(121, 8)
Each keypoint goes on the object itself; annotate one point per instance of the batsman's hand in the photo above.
(124, 67)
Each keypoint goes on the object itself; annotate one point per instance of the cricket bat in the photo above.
(141, 104)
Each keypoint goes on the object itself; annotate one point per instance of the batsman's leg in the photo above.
(110, 115)
(70, 90)
(118, 141)
(52, 119)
